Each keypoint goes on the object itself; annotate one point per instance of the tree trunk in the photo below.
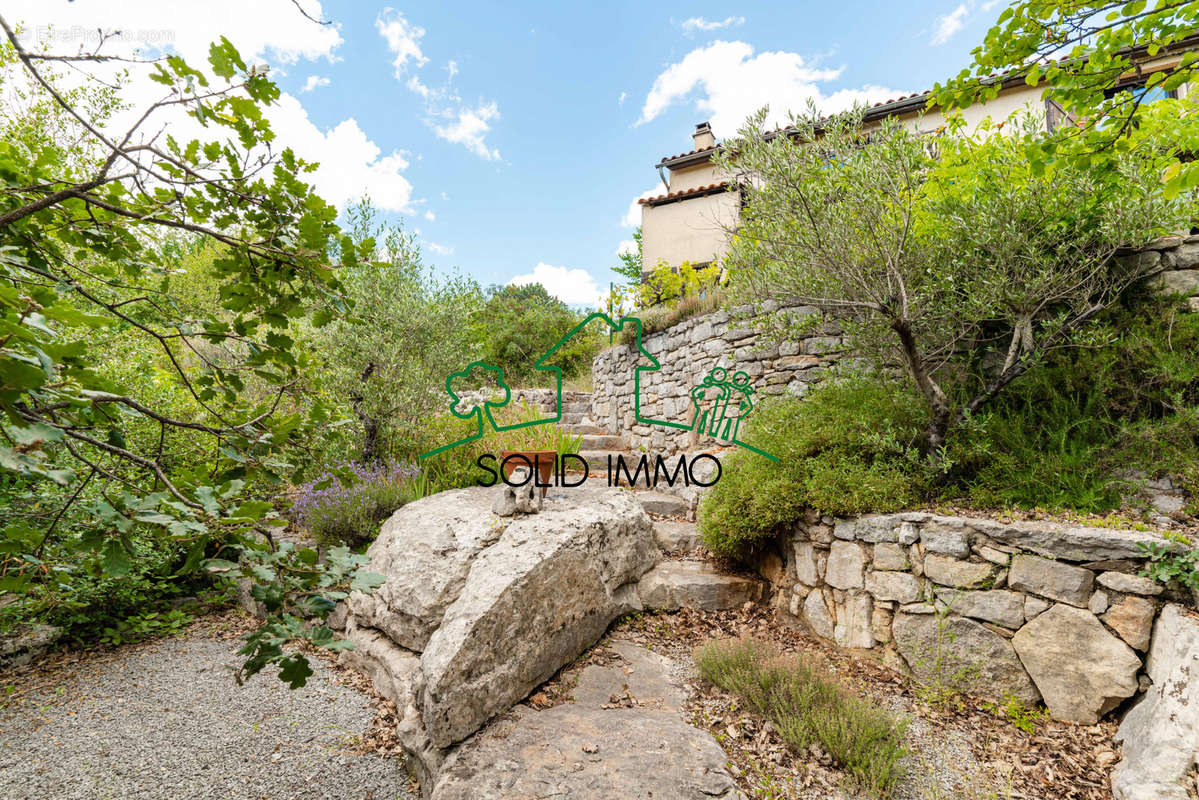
(370, 425)
(940, 414)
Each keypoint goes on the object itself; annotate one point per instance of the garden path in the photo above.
(165, 719)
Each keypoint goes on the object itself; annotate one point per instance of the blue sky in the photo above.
(514, 136)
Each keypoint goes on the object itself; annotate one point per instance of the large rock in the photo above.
(425, 549)
(846, 565)
(962, 654)
(818, 616)
(997, 606)
(1132, 618)
(1051, 579)
(542, 594)
(949, 571)
(1160, 735)
(592, 747)
(695, 584)
(900, 587)
(854, 627)
(1082, 671)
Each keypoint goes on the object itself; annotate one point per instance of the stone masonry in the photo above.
(1025, 610)
(690, 349)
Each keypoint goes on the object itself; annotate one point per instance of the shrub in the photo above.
(848, 448)
(809, 708)
(659, 318)
(346, 505)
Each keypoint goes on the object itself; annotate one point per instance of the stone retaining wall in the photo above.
(1030, 610)
(689, 350)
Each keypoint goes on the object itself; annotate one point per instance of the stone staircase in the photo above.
(683, 577)
(596, 443)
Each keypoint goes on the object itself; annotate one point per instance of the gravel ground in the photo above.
(165, 720)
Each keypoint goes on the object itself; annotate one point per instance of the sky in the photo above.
(514, 138)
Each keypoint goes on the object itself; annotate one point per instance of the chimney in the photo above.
(703, 136)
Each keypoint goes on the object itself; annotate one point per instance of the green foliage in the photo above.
(1064, 435)
(1171, 565)
(1022, 717)
(631, 262)
(151, 624)
(925, 260)
(1081, 53)
(150, 303)
(807, 707)
(667, 286)
(517, 326)
(385, 367)
(847, 448)
(456, 468)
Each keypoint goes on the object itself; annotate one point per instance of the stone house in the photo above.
(690, 220)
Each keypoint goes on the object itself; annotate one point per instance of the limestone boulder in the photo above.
(425, 549)
(1081, 669)
(962, 654)
(1160, 735)
(531, 602)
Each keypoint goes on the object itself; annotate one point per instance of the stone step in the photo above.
(666, 505)
(582, 429)
(577, 407)
(672, 585)
(676, 537)
(600, 441)
(598, 459)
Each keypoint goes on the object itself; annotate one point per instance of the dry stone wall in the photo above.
(687, 353)
(1030, 610)
(690, 350)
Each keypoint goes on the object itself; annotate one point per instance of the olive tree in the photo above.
(409, 330)
(932, 251)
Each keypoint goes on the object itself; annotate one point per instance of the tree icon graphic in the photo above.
(458, 384)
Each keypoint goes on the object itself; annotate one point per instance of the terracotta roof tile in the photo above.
(711, 187)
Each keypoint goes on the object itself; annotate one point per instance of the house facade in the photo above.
(691, 219)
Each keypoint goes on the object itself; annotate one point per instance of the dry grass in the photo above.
(808, 707)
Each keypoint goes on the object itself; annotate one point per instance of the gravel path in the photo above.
(166, 720)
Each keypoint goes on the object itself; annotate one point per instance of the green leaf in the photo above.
(367, 582)
(294, 670)
(115, 560)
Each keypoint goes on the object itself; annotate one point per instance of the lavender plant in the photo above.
(346, 504)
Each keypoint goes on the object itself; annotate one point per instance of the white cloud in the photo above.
(350, 162)
(314, 82)
(950, 24)
(469, 126)
(403, 40)
(449, 117)
(632, 217)
(620, 101)
(626, 246)
(700, 24)
(273, 31)
(439, 249)
(429, 215)
(574, 287)
(733, 82)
